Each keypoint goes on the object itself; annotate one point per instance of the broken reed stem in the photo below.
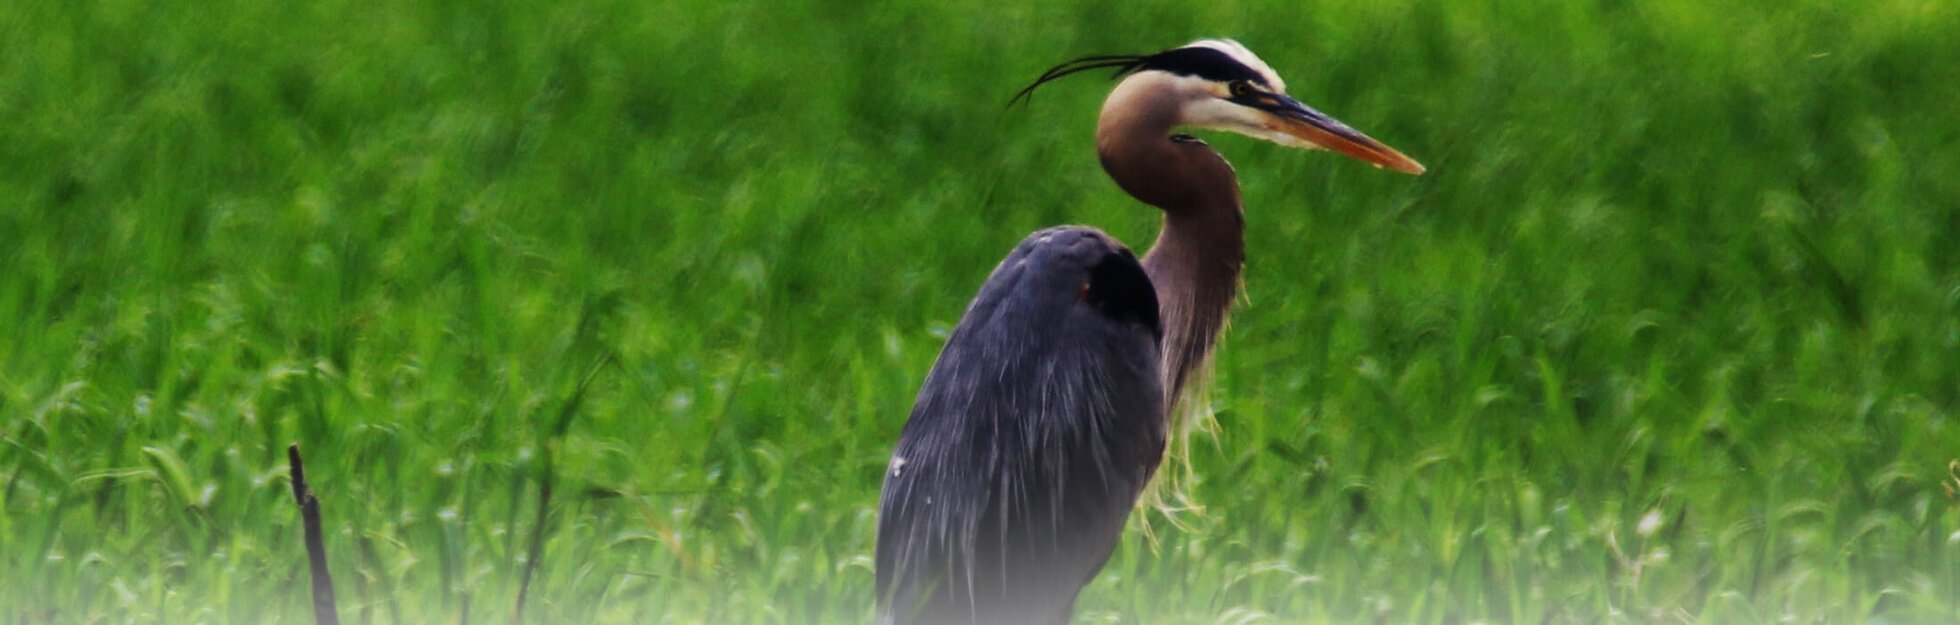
(545, 478)
(537, 541)
(316, 546)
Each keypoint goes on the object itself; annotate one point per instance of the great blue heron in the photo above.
(1048, 409)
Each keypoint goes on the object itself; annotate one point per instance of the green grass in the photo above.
(1688, 264)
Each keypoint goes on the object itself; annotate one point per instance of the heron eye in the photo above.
(1241, 88)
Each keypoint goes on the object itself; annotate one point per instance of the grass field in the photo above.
(1669, 333)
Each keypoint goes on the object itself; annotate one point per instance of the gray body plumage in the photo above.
(1040, 423)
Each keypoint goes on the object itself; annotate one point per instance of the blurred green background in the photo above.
(1667, 334)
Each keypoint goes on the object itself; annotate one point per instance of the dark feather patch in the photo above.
(1119, 288)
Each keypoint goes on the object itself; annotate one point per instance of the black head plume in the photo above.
(1124, 63)
(1194, 60)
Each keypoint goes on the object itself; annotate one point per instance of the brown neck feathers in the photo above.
(1196, 261)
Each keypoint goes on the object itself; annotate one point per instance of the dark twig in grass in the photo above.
(316, 547)
(537, 541)
(545, 478)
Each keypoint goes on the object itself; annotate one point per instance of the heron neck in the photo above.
(1196, 261)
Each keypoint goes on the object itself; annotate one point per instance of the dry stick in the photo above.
(537, 541)
(316, 547)
(564, 422)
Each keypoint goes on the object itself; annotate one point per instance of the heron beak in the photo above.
(1299, 121)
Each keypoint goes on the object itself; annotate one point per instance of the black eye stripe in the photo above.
(1206, 63)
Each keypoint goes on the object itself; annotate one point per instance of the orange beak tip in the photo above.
(1391, 159)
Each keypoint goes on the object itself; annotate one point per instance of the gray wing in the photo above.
(1039, 425)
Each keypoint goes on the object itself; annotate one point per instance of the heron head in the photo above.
(1218, 84)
